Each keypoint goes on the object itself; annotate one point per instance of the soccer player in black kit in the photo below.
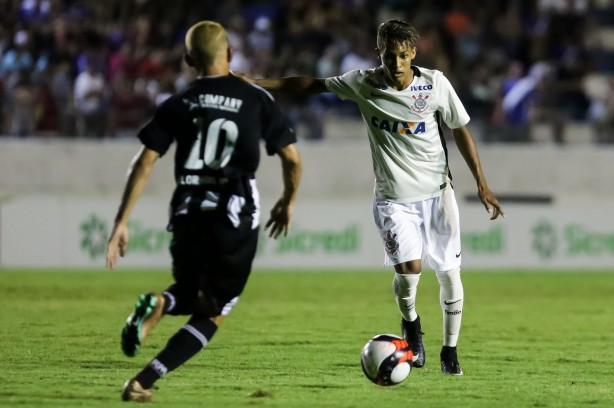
(217, 124)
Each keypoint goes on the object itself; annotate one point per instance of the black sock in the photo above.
(184, 344)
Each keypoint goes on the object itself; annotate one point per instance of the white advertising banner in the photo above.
(71, 232)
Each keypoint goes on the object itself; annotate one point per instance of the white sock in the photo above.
(405, 287)
(451, 300)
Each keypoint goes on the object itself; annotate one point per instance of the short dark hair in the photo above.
(397, 32)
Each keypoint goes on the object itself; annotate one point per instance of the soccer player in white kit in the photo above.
(414, 206)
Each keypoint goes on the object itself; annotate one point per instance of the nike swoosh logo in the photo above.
(458, 255)
(451, 303)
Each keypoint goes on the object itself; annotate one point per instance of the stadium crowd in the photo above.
(95, 68)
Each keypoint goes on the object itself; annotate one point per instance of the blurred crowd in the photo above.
(94, 68)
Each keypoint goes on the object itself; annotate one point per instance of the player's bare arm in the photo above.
(298, 84)
(281, 213)
(466, 146)
(138, 174)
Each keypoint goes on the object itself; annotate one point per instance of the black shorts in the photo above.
(212, 261)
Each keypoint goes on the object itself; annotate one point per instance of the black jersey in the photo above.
(217, 123)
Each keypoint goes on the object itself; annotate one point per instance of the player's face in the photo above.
(396, 61)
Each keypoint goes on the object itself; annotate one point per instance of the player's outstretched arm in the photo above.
(466, 146)
(281, 213)
(138, 174)
(297, 84)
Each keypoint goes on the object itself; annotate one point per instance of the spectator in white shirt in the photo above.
(90, 101)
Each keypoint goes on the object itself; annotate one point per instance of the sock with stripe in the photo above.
(169, 302)
(182, 346)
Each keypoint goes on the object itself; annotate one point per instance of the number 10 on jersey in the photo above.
(220, 130)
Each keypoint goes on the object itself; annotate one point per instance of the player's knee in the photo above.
(450, 277)
(413, 266)
(405, 285)
(179, 301)
(204, 306)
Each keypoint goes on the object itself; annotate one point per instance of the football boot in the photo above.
(133, 391)
(412, 333)
(147, 313)
(449, 361)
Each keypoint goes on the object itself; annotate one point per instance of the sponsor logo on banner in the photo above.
(545, 239)
(143, 239)
(570, 240)
(94, 236)
(344, 241)
(483, 242)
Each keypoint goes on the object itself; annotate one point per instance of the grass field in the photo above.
(529, 339)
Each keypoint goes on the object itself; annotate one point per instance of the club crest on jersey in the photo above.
(420, 104)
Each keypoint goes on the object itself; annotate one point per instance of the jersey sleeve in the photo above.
(344, 86)
(452, 110)
(277, 130)
(155, 135)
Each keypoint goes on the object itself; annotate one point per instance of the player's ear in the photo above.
(377, 55)
(413, 52)
(188, 59)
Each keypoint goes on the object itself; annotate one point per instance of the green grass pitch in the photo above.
(529, 339)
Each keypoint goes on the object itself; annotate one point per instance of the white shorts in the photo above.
(428, 230)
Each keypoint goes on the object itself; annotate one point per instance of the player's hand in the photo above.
(490, 203)
(117, 244)
(281, 215)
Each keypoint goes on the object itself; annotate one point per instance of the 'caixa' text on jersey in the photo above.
(403, 128)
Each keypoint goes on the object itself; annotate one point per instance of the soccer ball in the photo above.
(386, 359)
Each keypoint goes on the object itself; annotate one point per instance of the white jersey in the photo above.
(407, 144)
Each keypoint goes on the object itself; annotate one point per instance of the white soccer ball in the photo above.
(386, 359)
